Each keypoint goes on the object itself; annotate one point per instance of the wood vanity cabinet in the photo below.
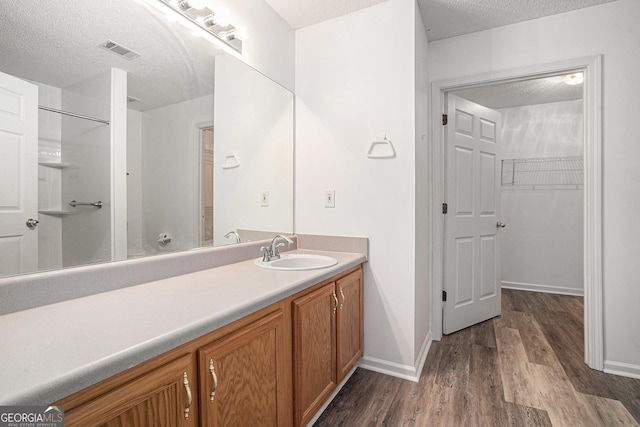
(164, 396)
(274, 367)
(240, 384)
(327, 341)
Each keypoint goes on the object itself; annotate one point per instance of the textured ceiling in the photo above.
(302, 13)
(56, 43)
(67, 52)
(529, 92)
(450, 18)
(442, 18)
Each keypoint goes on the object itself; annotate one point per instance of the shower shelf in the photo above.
(54, 165)
(54, 212)
(542, 171)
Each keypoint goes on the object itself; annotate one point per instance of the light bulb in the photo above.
(574, 79)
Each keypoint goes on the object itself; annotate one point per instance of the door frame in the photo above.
(592, 204)
(198, 197)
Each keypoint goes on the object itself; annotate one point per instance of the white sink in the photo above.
(298, 262)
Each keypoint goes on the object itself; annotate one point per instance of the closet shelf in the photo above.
(56, 165)
(53, 212)
(542, 171)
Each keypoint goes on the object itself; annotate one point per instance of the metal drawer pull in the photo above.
(215, 379)
(186, 386)
(336, 300)
(341, 294)
(500, 224)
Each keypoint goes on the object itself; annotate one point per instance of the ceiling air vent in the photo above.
(120, 50)
(131, 100)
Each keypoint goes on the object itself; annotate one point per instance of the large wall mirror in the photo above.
(87, 87)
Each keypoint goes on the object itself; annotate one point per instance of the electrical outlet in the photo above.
(329, 198)
(264, 199)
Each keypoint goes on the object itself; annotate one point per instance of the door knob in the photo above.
(501, 224)
(32, 223)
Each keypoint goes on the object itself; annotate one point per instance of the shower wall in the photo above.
(542, 245)
(86, 231)
(49, 178)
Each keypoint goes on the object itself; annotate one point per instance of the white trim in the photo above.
(198, 197)
(550, 289)
(592, 67)
(330, 399)
(405, 372)
(622, 369)
(422, 356)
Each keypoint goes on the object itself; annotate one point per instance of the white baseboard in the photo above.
(543, 288)
(622, 369)
(389, 368)
(406, 372)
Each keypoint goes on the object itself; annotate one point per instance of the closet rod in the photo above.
(67, 113)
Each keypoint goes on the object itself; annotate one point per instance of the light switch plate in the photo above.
(264, 199)
(329, 198)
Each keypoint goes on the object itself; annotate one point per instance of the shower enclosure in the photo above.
(75, 173)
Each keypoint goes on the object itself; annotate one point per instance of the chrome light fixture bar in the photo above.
(206, 19)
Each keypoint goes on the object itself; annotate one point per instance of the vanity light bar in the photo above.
(205, 18)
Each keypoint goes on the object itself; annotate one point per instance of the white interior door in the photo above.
(18, 175)
(472, 179)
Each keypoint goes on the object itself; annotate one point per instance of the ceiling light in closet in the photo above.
(574, 79)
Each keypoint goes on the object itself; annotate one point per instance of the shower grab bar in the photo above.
(97, 204)
(67, 113)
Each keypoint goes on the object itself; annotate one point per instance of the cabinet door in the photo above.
(240, 376)
(161, 397)
(314, 341)
(350, 317)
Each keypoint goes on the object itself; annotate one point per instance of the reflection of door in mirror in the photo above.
(19, 175)
(206, 186)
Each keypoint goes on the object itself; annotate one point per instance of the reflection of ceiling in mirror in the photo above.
(57, 43)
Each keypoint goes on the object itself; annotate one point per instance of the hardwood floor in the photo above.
(524, 368)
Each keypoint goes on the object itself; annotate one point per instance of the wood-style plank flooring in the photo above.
(524, 368)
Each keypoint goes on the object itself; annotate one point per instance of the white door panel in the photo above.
(471, 270)
(18, 174)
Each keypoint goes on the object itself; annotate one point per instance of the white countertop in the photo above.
(55, 350)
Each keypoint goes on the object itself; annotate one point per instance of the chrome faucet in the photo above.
(235, 233)
(272, 252)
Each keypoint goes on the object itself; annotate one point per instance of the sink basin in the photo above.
(298, 262)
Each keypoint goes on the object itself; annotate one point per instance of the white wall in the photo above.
(610, 29)
(269, 46)
(355, 80)
(135, 243)
(422, 300)
(253, 120)
(169, 172)
(542, 245)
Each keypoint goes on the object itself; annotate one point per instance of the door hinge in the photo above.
(445, 208)
(444, 296)
(445, 119)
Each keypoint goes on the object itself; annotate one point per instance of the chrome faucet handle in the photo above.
(276, 253)
(266, 257)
